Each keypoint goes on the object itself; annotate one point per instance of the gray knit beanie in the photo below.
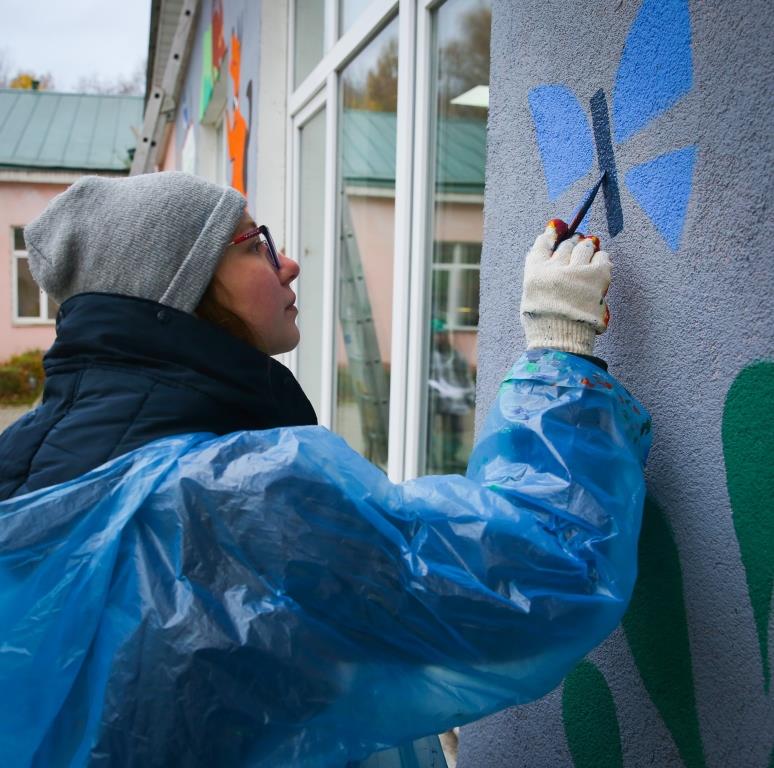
(156, 236)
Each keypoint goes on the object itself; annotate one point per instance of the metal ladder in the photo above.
(369, 379)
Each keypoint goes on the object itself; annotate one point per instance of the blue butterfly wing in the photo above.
(662, 188)
(563, 136)
(656, 69)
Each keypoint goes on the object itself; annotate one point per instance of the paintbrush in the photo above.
(582, 211)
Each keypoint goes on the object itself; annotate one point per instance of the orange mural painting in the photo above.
(238, 129)
(218, 41)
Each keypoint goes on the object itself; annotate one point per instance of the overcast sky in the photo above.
(75, 38)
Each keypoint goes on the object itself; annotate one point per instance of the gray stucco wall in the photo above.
(686, 679)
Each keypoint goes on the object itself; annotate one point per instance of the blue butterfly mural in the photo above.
(654, 73)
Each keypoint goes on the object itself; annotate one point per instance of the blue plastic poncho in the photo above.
(272, 599)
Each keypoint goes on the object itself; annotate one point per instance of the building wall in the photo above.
(687, 88)
(221, 78)
(20, 203)
(168, 159)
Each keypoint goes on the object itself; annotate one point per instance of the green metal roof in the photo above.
(45, 129)
(368, 146)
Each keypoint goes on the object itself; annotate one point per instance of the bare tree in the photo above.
(134, 85)
(5, 68)
(465, 61)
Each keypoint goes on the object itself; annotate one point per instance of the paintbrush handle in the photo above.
(582, 211)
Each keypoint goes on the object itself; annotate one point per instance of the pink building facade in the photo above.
(42, 152)
(21, 200)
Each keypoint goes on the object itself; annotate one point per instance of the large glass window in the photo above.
(310, 255)
(309, 37)
(345, 358)
(367, 140)
(461, 87)
(30, 302)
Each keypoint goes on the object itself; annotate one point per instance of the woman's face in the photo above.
(248, 284)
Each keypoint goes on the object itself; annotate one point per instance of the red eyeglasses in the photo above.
(265, 243)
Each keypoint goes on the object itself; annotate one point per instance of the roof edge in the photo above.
(79, 94)
(21, 167)
(49, 176)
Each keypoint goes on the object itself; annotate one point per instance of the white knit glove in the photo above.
(563, 303)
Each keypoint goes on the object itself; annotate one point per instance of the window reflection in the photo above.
(349, 10)
(309, 37)
(461, 67)
(369, 94)
(311, 210)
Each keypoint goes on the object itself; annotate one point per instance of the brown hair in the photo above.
(211, 310)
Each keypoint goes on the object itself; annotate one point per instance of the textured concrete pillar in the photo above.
(674, 99)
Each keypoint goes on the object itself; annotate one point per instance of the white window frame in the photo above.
(221, 147)
(212, 149)
(293, 192)
(42, 318)
(455, 269)
(414, 159)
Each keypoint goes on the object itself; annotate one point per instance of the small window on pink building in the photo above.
(31, 305)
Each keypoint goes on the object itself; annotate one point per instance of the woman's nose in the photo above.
(290, 268)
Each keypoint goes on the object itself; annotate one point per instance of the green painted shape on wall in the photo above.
(207, 81)
(590, 722)
(748, 450)
(657, 631)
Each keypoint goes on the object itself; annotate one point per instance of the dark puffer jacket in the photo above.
(124, 372)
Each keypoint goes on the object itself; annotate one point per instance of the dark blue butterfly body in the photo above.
(654, 73)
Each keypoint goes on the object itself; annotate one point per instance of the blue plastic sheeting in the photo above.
(272, 599)
(422, 753)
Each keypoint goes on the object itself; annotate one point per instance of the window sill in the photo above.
(31, 322)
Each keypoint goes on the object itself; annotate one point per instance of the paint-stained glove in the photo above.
(563, 303)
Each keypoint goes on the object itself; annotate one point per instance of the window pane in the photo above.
(369, 94)
(470, 253)
(349, 10)
(466, 298)
(309, 37)
(310, 256)
(27, 291)
(461, 67)
(440, 297)
(18, 239)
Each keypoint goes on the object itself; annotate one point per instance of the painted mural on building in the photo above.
(650, 91)
(237, 111)
(654, 72)
(664, 659)
(213, 53)
(238, 125)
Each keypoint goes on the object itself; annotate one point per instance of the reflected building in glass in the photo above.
(367, 138)
(460, 59)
